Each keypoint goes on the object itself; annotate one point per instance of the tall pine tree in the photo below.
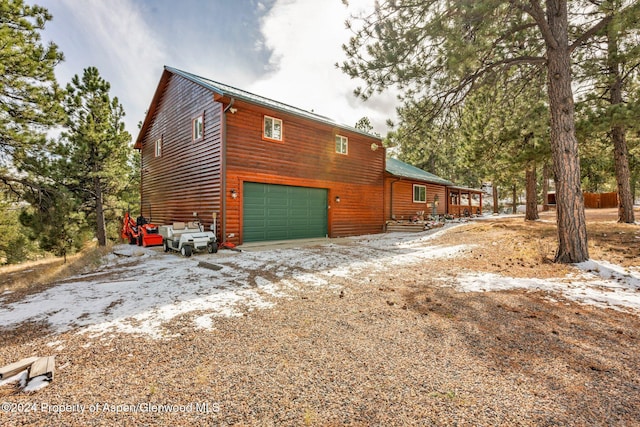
(94, 153)
(29, 95)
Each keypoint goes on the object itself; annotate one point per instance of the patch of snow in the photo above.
(269, 287)
(20, 377)
(37, 383)
(204, 322)
(57, 344)
(608, 271)
(599, 284)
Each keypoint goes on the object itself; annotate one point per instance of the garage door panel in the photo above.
(278, 212)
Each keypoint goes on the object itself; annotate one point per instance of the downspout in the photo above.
(223, 173)
(391, 197)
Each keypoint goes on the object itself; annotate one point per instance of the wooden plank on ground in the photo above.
(210, 266)
(43, 366)
(16, 367)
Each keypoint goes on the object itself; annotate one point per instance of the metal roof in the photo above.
(232, 92)
(467, 189)
(403, 170)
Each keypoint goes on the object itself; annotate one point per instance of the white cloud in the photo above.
(130, 41)
(306, 38)
(125, 49)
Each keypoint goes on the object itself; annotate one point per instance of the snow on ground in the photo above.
(138, 290)
(21, 381)
(596, 282)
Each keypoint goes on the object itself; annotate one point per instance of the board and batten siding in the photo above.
(403, 207)
(187, 177)
(307, 158)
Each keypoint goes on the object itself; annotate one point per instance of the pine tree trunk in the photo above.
(545, 187)
(101, 227)
(620, 151)
(623, 176)
(532, 193)
(572, 227)
(514, 198)
(496, 201)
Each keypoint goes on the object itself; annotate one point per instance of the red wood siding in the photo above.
(187, 178)
(600, 200)
(306, 157)
(403, 205)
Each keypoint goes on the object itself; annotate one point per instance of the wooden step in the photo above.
(405, 228)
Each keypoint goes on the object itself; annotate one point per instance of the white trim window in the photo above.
(272, 128)
(342, 144)
(197, 128)
(158, 147)
(419, 193)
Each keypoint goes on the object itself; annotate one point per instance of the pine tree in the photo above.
(611, 68)
(443, 50)
(29, 94)
(94, 154)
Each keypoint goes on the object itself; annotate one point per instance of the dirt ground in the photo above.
(398, 347)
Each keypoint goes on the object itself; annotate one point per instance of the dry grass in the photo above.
(520, 248)
(36, 276)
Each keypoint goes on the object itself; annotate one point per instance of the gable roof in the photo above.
(224, 90)
(403, 170)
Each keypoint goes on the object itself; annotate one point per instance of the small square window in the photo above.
(197, 128)
(419, 193)
(159, 147)
(272, 128)
(342, 144)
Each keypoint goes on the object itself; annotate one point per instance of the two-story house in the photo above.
(267, 170)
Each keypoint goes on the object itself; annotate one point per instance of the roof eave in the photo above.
(430, 181)
(152, 108)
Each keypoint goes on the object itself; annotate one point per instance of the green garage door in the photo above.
(281, 212)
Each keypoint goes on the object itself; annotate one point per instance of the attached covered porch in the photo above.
(463, 201)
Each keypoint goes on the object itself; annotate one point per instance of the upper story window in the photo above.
(272, 128)
(158, 147)
(342, 144)
(419, 193)
(197, 128)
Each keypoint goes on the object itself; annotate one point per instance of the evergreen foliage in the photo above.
(439, 52)
(29, 94)
(94, 153)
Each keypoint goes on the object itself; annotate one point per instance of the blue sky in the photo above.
(281, 49)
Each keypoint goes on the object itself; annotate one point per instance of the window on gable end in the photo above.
(419, 193)
(272, 128)
(158, 147)
(342, 144)
(197, 128)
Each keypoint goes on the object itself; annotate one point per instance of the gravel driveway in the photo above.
(374, 330)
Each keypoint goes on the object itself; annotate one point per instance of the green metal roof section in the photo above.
(403, 170)
(232, 92)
